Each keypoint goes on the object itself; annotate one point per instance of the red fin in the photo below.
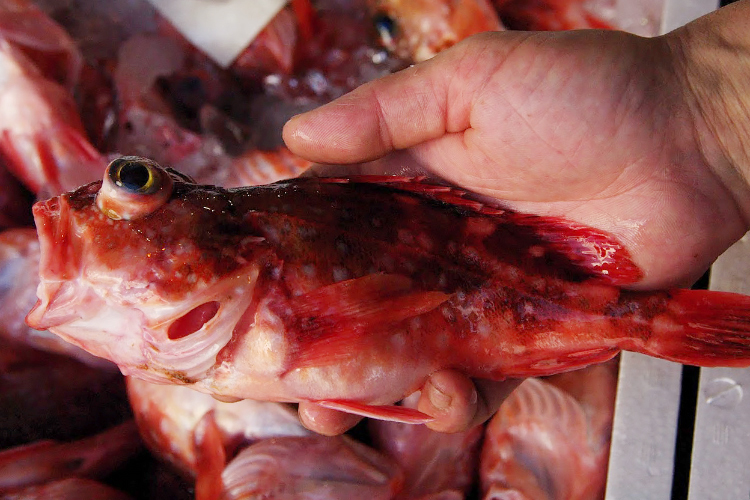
(210, 458)
(595, 252)
(393, 413)
(550, 365)
(306, 18)
(596, 23)
(715, 330)
(329, 321)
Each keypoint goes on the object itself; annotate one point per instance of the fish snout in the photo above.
(58, 263)
(58, 260)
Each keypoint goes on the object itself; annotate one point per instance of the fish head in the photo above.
(419, 29)
(144, 268)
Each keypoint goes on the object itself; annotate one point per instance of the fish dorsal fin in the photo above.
(597, 254)
(330, 322)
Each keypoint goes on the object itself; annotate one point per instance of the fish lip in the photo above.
(56, 265)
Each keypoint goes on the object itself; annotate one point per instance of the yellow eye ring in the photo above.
(136, 175)
(133, 187)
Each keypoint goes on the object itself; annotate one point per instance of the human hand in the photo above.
(603, 128)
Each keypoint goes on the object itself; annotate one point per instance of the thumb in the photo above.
(420, 103)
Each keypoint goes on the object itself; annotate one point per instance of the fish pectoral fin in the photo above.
(392, 413)
(331, 323)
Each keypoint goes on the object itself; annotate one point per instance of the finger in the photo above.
(491, 395)
(324, 420)
(458, 403)
(407, 108)
(370, 121)
(399, 163)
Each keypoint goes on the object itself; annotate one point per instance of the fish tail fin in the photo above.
(708, 329)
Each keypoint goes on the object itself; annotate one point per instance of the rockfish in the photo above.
(348, 292)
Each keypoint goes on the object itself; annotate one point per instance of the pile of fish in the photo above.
(185, 277)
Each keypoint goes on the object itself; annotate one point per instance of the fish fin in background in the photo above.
(210, 458)
(306, 18)
(45, 461)
(595, 253)
(329, 322)
(713, 330)
(52, 163)
(536, 446)
(401, 414)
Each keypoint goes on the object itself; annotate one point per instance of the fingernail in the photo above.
(437, 398)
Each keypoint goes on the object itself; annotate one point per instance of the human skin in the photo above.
(645, 138)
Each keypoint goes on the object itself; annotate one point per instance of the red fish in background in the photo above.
(42, 139)
(46, 461)
(41, 39)
(548, 15)
(348, 292)
(48, 396)
(169, 94)
(198, 434)
(274, 49)
(314, 467)
(416, 30)
(546, 443)
(73, 488)
(434, 463)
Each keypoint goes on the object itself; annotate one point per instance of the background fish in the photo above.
(416, 30)
(314, 467)
(546, 443)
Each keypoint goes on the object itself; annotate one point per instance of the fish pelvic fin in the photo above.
(401, 414)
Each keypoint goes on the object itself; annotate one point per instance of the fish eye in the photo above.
(386, 27)
(137, 175)
(133, 187)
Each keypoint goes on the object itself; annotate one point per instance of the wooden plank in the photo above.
(721, 440)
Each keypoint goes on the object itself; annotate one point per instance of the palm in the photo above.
(588, 125)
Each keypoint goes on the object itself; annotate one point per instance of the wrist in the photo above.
(712, 58)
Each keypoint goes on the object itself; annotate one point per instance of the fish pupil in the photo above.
(134, 176)
(386, 27)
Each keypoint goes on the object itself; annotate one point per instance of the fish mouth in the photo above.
(58, 264)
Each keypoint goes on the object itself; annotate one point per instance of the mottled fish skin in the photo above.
(352, 291)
